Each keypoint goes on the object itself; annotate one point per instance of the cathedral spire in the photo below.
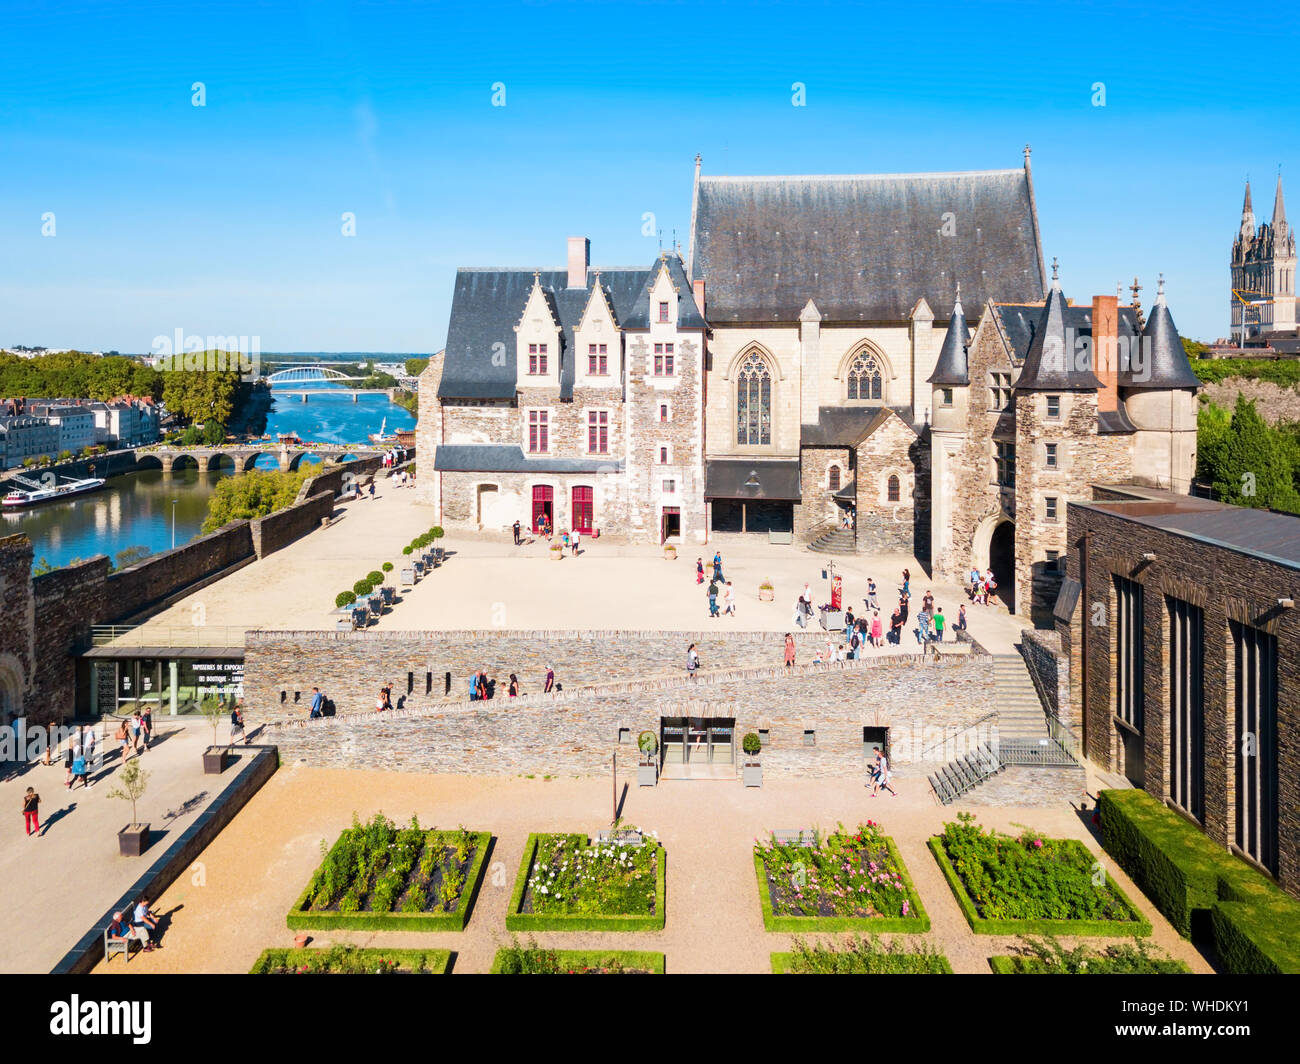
(1279, 208)
(1247, 230)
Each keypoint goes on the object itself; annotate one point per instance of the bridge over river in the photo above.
(243, 457)
(315, 378)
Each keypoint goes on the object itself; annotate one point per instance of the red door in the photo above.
(582, 510)
(543, 507)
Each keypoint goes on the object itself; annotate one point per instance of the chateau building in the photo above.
(810, 366)
(1263, 273)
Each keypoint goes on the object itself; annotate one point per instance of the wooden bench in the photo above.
(619, 838)
(806, 839)
(116, 945)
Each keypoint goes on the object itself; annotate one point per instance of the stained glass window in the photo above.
(754, 402)
(865, 378)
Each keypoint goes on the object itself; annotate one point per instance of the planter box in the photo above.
(647, 775)
(133, 840)
(408, 577)
(832, 620)
(766, 594)
(387, 592)
(752, 775)
(215, 760)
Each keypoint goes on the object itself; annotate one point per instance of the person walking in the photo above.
(317, 703)
(79, 768)
(906, 591)
(237, 724)
(70, 757)
(798, 613)
(146, 724)
(31, 811)
(871, 594)
(789, 650)
(123, 736)
(473, 686)
(877, 629)
(717, 567)
(699, 570)
(514, 686)
(895, 625)
(882, 775)
(88, 744)
(855, 643)
(713, 597)
(961, 618)
(939, 623)
(573, 544)
(550, 680)
(516, 531)
(692, 661)
(729, 600)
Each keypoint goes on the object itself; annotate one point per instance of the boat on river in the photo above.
(33, 492)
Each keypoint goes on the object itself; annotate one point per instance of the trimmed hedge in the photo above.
(1188, 876)
(303, 919)
(592, 958)
(918, 924)
(924, 965)
(435, 961)
(522, 921)
(1138, 926)
(1008, 965)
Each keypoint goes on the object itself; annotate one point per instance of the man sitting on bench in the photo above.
(119, 929)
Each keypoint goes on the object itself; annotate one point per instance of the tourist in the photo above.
(88, 744)
(550, 680)
(78, 768)
(473, 686)
(717, 567)
(123, 736)
(882, 775)
(515, 529)
(789, 650)
(961, 618)
(871, 595)
(31, 811)
(146, 724)
(729, 598)
(974, 582)
(142, 917)
(573, 544)
(849, 622)
(927, 602)
(564, 540)
(514, 686)
(136, 726)
(905, 591)
(383, 702)
(877, 629)
(317, 701)
(798, 613)
(895, 624)
(692, 661)
(119, 930)
(922, 629)
(939, 622)
(713, 597)
(699, 570)
(372, 487)
(855, 643)
(237, 724)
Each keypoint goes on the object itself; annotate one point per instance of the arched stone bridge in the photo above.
(241, 459)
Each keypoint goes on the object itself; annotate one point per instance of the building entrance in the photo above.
(697, 747)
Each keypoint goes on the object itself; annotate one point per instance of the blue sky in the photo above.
(226, 219)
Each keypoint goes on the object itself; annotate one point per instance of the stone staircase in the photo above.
(1020, 712)
(836, 541)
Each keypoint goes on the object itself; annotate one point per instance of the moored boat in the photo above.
(37, 492)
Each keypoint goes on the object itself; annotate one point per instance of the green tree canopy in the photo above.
(253, 494)
(1252, 467)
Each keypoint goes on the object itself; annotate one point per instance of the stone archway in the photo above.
(1002, 560)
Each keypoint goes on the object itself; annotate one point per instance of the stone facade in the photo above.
(276, 531)
(1227, 585)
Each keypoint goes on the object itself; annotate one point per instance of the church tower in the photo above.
(1263, 272)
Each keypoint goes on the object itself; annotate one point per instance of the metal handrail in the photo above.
(145, 635)
(957, 733)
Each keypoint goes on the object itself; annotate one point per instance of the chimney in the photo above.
(1105, 350)
(698, 288)
(579, 260)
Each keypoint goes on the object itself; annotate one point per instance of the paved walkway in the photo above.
(258, 866)
(56, 884)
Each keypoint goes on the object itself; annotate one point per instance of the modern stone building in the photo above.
(1263, 265)
(1179, 617)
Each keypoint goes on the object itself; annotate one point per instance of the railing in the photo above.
(1032, 752)
(948, 741)
(143, 635)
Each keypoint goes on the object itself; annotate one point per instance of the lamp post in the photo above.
(174, 502)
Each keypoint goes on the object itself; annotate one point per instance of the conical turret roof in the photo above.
(1162, 362)
(1051, 363)
(952, 367)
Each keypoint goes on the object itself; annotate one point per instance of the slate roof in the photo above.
(952, 366)
(508, 458)
(778, 479)
(863, 247)
(487, 304)
(1051, 359)
(1163, 361)
(843, 426)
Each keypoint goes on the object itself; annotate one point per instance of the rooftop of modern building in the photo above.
(1265, 534)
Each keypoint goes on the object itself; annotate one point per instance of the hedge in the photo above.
(917, 924)
(522, 921)
(1188, 877)
(630, 958)
(781, 964)
(436, 961)
(1007, 965)
(303, 919)
(1138, 926)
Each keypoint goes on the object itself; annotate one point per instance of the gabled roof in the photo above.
(952, 366)
(843, 426)
(487, 304)
(510, 458)
(688, 315)
(864, 247)
(1051, 362)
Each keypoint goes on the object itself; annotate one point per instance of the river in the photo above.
(136, 510)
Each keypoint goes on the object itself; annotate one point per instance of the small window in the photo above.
(670, 486)
(597, 360)
(663, 455)
(537, 360)
(945, 397)
(663, 312)
(833, 478)
(663, 411)
(1052, 555)
(663, 360)
(538, 432)
(892, 488)
(810, 736)
(1054, 407)
(598, 432)
(1050, 503)
(1051, 456)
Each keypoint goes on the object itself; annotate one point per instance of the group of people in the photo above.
(981, 585)
(141, 927)
(394, 457)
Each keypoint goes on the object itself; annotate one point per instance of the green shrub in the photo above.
(375, 577)
(751, 743)
(408, 550)
(862, 956)
(1046, 956)
(344, 598)
(387, 567)
(362, 588)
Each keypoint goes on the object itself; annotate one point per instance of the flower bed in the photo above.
(348, 960)
(1048, 957)
(381, 877)
(849, 881)
(530, 960)
(860, 956)
(566, 884)
(1031, 885)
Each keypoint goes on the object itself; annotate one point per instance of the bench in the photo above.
(806, 839)
(619, 838)
(779, 537)
(343, 624)
(116, 945)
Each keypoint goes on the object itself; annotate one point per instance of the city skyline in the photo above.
(227, 218)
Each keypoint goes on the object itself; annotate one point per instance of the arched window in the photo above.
(864, 378)
(754, 402)
(892, 488)
(833, 478)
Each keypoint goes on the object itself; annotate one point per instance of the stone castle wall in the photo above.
(138, 587)
(276, 531)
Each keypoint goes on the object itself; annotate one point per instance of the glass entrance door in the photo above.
(698, 747)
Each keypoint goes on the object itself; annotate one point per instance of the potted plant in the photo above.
(557, 552)
(132, 781)
(670, 552)
(752, 770)
(647, 769)
(344, 598)
(215, 757)
(766, 591)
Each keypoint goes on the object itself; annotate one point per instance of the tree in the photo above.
(253, 494)
(1212, 422)
(214, 433)
(1253, 469)
(416, 366)
(213, 709)
(132, 782)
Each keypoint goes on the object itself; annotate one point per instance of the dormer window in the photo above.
(663, 313)
(537, 360)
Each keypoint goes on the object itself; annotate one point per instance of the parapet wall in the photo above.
(276, 531)
(133, 589)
